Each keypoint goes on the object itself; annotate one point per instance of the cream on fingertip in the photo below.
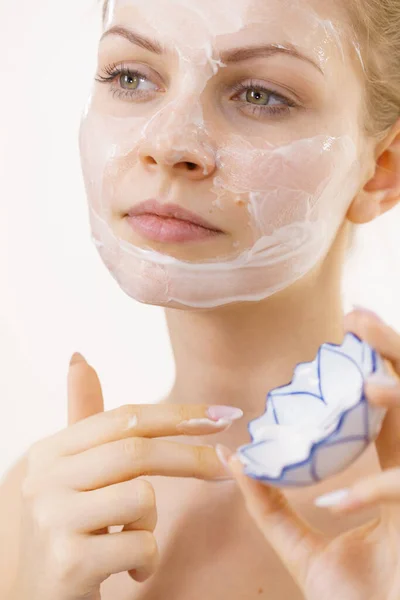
(199, 426)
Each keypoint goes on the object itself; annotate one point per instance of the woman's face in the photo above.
(247, 113)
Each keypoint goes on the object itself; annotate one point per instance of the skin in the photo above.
(363, 562)
(85, 478)
(68, 501)
(232, 355)
(240, 146)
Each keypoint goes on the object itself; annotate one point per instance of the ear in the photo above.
(382, 191)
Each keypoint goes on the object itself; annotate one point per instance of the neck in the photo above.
(235, 354)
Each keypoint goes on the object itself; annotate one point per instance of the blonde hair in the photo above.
(377, 27)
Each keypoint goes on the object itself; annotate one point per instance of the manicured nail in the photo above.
(366, 311)
(230, 413)
(224, 454)
(76, 358)
(382, 379)
(333, 498)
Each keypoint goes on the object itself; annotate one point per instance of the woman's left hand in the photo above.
(363, 563)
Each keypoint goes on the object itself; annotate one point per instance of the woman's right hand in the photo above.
(84, 479)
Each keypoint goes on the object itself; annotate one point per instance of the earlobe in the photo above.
(365, 207)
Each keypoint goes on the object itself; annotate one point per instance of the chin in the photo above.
(172, 304)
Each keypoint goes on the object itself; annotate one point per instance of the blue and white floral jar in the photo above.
(321, 422)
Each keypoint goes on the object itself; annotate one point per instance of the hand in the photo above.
(84, 479)
(364, 563)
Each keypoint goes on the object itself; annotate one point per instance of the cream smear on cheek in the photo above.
(289, 190)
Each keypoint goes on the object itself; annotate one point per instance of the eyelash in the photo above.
(113, 71)
(258, 108)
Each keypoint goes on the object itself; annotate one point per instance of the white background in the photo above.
(56, 295)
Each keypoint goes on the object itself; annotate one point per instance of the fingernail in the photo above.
(219, 411)
(224, 454)
(333, 498)
(366, 311)
(382, 379)
(76, 358)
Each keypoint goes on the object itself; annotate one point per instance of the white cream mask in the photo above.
(277, 184)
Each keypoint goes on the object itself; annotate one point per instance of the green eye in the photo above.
(129, 82)
(259, 97)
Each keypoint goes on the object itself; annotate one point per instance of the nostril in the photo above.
(149, 160)
(191, 166)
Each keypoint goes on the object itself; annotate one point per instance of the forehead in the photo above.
(312, 23)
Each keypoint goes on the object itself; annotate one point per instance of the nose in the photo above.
(191, 160)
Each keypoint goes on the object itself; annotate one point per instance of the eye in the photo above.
(131, 83)
(132, 80)
(257, 99)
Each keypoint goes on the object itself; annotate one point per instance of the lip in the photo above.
(169, 223)
(172, 211)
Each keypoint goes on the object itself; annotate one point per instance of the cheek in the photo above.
(260, 189)
(109, 153)
(305, 180)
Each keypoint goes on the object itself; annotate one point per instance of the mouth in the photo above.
(169, 223)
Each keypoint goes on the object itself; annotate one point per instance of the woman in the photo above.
(277, 126)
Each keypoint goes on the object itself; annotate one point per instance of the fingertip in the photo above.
(224, 454)
(367, 312)
(235, 464)
(235, 460)
(350, 322)
(358, 316)
(77, 358)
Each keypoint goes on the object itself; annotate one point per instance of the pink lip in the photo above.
(168, 223)
(153, 207)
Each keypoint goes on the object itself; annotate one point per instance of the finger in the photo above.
(387, 444)
(383, 338)
(139, 420)
(85, 397)
(386, 341)
(294, 541)
(148, 521)
(385, 396)
(132, 457)
(119, 552)
(131, 503)
(374, 490)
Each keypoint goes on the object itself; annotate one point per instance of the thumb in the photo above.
(294, 541)
(85, 397)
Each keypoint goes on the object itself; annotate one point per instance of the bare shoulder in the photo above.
(10, 509)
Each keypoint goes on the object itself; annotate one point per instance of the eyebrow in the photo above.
(135, 38)
(233, 55)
